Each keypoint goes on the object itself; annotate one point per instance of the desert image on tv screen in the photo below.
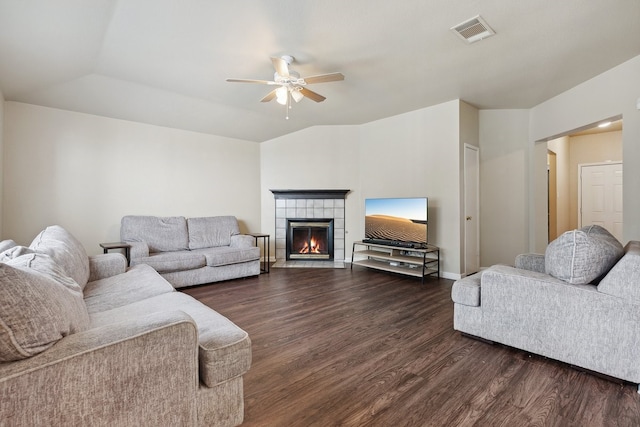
(396, 219)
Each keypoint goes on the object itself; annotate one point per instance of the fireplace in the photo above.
(309, 239)
(315, 215)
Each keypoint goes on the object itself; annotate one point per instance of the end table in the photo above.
(266, 239)
(118, 245)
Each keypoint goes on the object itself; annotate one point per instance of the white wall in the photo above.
(1, 161)
(503, 185)
(612, 93)
(85, 172)
(413, 154)
(321, 157)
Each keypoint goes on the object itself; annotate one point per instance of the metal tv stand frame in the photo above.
(408, 261)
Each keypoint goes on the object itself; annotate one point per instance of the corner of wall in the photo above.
(1, 159)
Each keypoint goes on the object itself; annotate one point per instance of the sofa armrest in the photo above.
(242, 241)
(106, 265)
(140, 372)
(531, 262)
(138, 250)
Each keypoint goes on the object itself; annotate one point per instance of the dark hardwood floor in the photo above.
(335, 347)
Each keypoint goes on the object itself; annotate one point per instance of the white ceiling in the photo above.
(165, 62)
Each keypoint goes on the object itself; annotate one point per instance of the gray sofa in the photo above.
(578, 303)
(191, 251)
(84, 341)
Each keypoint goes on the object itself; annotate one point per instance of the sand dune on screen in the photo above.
(394, 228)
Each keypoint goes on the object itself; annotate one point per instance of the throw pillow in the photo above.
(36, 311)
(14, 252)
(66, 251)
(44, 264)
(582, 256)
(7, 244)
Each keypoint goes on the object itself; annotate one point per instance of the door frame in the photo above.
(476, 213)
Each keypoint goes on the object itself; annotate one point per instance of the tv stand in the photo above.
(409, 261)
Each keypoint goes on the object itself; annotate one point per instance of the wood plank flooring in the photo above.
(336, 347)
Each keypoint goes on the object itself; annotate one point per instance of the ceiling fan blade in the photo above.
(281, 66)
(312, 95)
(268, 97)
(263, 82)
(324, 78)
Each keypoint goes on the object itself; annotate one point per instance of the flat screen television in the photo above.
(396, 221)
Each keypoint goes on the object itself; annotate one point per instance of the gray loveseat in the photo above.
(578, 303)
(86, 342)
(191, 251)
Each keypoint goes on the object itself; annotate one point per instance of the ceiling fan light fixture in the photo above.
(282, 94)
(296, 95)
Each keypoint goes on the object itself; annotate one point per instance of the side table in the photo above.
(118, 245)
(266, 243)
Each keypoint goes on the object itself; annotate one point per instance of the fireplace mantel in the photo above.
(325, 204)
(310, 194)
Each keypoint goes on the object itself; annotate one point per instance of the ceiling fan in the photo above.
(290, 84)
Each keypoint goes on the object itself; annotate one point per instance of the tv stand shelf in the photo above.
(409, 261)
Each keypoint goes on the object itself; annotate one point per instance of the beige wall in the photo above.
(503, 185)
(85, 172)
(1, 160)
(611, 94)
(411, 155)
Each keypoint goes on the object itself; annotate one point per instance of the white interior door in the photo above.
(600, 197)
(471, 210)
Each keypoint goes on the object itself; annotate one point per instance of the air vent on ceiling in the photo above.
(473, 30)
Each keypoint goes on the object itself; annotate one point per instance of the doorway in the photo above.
(586, 146)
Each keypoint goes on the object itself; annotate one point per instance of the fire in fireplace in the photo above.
(310, 239)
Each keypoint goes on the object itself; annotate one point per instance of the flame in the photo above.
(312, 247)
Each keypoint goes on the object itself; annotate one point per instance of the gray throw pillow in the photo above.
(582, 256)
(14, 252)
(7, 244)
(36, 310)
(66, 251)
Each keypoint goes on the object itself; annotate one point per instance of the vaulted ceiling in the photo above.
(165, 62)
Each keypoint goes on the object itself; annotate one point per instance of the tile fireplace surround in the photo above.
(310, 204)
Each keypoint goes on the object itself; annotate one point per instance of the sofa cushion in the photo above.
(161, 234)
(65, 250)
(167, 262)
(137, 284)
(582, 256)
(36, 309)
(211, 232)
(623, 280)
(228, 255)
(224, 348)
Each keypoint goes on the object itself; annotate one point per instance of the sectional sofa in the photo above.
(84, 341)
